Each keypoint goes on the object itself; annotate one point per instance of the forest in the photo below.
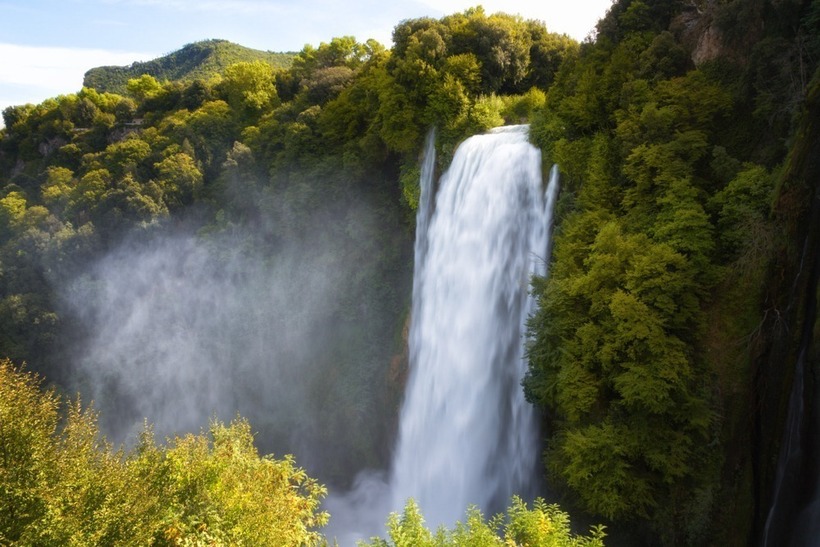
(681, 290)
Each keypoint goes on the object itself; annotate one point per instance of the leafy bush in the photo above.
(65, 485)
(544, 525)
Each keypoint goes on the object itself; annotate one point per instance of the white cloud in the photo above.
(225, 6)
(576, 18)
(31, 74)
(54, 66)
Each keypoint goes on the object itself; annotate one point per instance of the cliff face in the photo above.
(713, 30)
(697, 31)
(787, 440)
(786, 336)
(735, 74)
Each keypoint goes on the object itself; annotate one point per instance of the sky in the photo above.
(46, 46)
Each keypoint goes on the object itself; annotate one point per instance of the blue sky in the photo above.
(47, 45)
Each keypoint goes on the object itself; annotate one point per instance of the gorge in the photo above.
(240, 241)
(466, 435)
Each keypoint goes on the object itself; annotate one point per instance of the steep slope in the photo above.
(663, 349)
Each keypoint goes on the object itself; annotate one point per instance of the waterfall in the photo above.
(789, 465)
(466, 434)
(424, 213)
(794, 515)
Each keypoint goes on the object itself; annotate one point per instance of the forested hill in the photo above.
(680, 288)
(198, 61)
(681, 278)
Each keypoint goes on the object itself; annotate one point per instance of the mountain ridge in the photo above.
(197, 60)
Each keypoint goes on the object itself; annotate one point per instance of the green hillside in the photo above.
(683, 275)
(200, 60)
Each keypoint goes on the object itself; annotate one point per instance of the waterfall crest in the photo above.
(466, 434)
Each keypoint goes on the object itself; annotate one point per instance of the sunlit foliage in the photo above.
(61, 483)
(542, 526)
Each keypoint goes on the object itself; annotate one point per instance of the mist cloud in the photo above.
(180, 328)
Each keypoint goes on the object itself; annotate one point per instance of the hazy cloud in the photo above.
(233, 6)
(31, 74)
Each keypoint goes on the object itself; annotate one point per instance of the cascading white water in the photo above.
(466, 434)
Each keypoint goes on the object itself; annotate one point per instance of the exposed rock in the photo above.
(48, 147)
(697, 31)
(710, 45)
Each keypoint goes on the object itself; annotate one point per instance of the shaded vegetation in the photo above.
(646, 341)
(256, 162)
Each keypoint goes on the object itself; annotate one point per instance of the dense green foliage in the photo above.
(641, 344)
(542, 526)
(204, 61)
(61, 483)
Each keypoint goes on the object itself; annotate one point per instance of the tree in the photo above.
(542, 526)
(610, 359)
(12, 211)
(129, 156)
(248, 87)
(67, 486)
(28, 420)
(179, 178)
(223, 491)
(57, 188)
(144, 87)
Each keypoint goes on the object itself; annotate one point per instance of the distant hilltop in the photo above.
(199, 60)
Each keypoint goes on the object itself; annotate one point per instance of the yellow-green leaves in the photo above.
(249, 87)
(222, 488)
(179, 178)
(28, 419)
(12, 210)
(544, 525)
(68, 486)
(144, 87)
(612, 362)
